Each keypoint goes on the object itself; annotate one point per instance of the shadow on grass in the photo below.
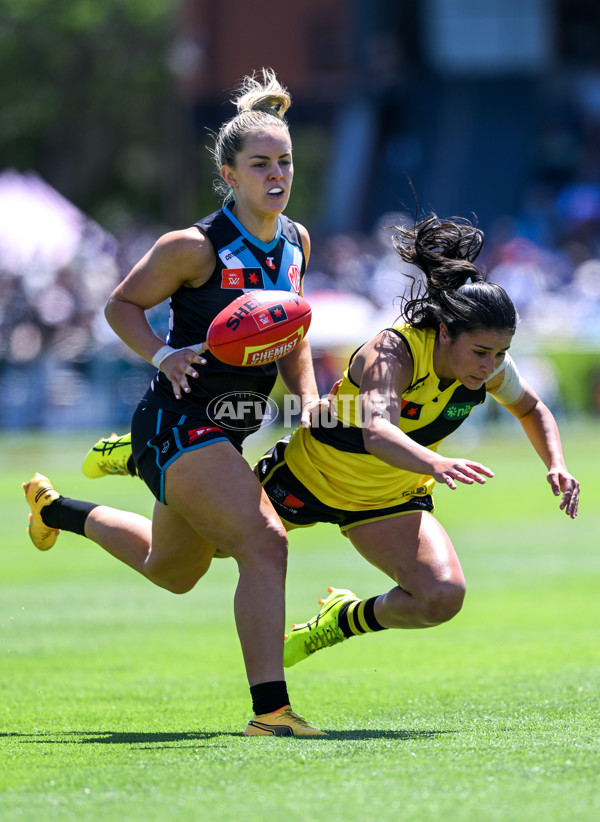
(160, 739)
(370, 733)
(114, 737)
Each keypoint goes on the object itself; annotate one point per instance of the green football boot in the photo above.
(108, 457)
(319, 632)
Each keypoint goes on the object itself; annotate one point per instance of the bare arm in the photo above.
(297, 372)
(296, 369)
(176, 258)
(305, 237)
(542, 432)
(386, 371)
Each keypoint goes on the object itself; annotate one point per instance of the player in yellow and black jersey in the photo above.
(371, 465)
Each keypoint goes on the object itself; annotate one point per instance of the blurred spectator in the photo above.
(57, 268)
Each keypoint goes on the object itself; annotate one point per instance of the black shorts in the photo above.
(158, 437)
(296, 505)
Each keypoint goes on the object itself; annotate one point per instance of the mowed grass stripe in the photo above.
(121, 701)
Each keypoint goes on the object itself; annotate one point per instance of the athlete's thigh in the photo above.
(216, 492)
(413, 549)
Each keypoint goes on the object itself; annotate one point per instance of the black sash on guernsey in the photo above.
(350, 438)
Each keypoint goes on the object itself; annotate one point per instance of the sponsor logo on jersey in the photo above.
(294, 277)
(416, 384)
(411, 410)
(242, 278)
(234, 252)
(196, 433)
(270, 316)
(271, 262)
(417, 493)
(283, 497)
(458, 410)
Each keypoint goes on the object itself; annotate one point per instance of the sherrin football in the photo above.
(259, 327)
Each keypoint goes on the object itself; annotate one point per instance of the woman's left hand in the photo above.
(564, 483)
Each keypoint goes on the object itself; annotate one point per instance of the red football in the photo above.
(259, 327)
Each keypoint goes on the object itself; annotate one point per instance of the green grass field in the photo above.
(123, 702)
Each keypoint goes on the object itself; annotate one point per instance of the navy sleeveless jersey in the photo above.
(243, 263)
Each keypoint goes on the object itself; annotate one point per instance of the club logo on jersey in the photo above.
(270, 316)
(271, 262)
(294, 277)
(196, 433)
(242, 278)
(411, 410)
(458, 410)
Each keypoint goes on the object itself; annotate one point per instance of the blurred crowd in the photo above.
(61, 365)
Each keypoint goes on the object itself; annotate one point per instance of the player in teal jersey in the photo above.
(194, 468)
(372, 467)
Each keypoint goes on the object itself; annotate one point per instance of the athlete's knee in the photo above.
(171, 577)
(272, 548)
(174, 586)
(442, 602)
(268, 547)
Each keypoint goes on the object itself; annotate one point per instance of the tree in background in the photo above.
(88, 99)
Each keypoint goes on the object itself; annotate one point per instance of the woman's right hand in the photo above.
(450, 471)
(180, 365)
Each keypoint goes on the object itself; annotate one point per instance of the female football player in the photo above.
(208, 501)
(371, 467)
(370, 464)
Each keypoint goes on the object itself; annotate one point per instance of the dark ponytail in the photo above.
(453, 290)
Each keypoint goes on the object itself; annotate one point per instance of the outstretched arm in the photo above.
(297, 372)
(542, 431)
(384, 369)
(296, 369)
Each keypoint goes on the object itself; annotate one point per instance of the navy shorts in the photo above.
(158, 437)
(296, 505)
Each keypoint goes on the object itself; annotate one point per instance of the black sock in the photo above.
(358, 617)
(269, 696)
(67, 514)
(131, 466)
